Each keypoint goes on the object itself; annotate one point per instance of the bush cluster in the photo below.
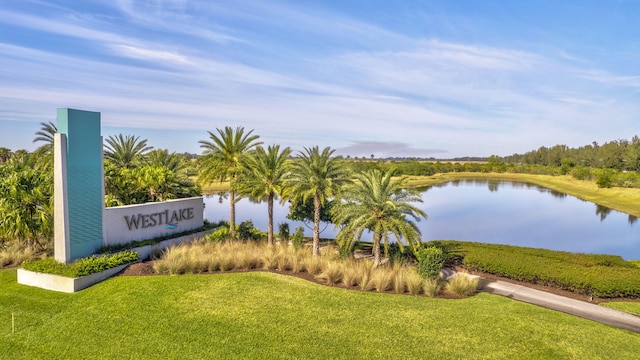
(606, 276)
(83, 266)
(429, 261)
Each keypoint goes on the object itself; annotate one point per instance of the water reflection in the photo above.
(492, 212)
(602, 211)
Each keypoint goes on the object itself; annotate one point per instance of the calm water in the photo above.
(493, 212)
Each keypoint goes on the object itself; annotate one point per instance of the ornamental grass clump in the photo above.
(382, 278)
(15, 254)
(431, 287)
(413, 281)
(399, 273)
(462, 284)
(331, 273)
(354, 271)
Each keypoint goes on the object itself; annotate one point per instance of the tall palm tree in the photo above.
(46, 135)
(125, 151)
(264, 178)
(319, 176)
(378, 203)
(221, 161)
(44, 153)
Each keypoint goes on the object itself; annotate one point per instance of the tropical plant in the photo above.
(148, 183)
(378, 203)
(125, 151)
(46, 135)
(221, 161)
(26, 203)
(5, 154)
(430, 261)
(319, 176)
(264, 176)
(177, 163)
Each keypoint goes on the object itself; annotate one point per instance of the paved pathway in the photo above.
(560, 303)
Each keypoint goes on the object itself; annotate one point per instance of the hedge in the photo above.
(606, 276)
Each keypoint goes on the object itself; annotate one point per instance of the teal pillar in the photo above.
(83, 191)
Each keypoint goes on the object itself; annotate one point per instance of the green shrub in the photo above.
(246, 231)
(298, 239)
(83, 266)
(604, 179)
(220, 234)
(430, 261)
(605, 276)
(283, 231)
(581, 173)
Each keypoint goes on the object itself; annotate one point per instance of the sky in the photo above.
(402, 78)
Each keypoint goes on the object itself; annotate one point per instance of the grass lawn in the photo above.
(266, 316)
(630, 307)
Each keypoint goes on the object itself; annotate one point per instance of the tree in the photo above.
(304, 211)
(174, 162)
(378, 203)
(221, 161)
(44, 153)
(264, 178)
(125, 151)
(46, 135)
(319, 176)
(5, 154)
(26, 202)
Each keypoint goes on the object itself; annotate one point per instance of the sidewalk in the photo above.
(567, 305)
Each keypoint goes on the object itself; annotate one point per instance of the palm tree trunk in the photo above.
(232, 213)
(316, 225)
(376, 248)
(270, 223)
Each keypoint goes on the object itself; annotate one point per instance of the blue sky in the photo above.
(390, 78)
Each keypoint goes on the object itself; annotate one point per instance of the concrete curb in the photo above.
(567, 305)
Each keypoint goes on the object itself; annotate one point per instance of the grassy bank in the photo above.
(622, 199)
(265, 315)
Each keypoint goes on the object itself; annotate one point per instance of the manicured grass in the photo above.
(264, 316)
(622, 199)
(630, 307)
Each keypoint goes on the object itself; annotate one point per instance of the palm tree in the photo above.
(172, 161)
(264, 178)
(125, 151)
(221, 161)
(46, 135)
(378, 203)
(319, 176)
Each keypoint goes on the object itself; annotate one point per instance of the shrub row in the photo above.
(84, 266)
(604, 276)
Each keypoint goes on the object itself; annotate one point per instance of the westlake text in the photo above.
(165, 217)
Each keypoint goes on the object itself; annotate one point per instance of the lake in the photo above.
(497, 212)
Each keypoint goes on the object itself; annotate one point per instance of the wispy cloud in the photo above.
(304, 75)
